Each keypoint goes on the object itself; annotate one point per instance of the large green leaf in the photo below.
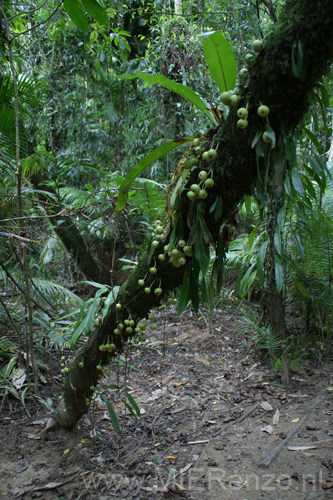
(145, 162)
(220, 59)
(296, 181)
(77, 15)
(260, 261)
(178, 88)
(279, 273)
(96, 11)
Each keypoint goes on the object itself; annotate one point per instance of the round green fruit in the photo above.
(248, 59)
(263, 111)
(153, 270)
(141, 282)
(191, 196)
(158, 291)
(203, 175)
(155, 243)
(234, 100)
(161, 257)
(116, 331)
(212, 154)
(147, 290)
(243, 73)
(159, 230)
(182, 261)
(153, 327)
(226, 98)
(209, 183)
(195, 188)
(205, 156)
(99, 367)
(242, 123)
(242, 113)
(266, 138)
(129, 329)
(81, 364)
(118, 306)
(257, 45)
(188, 251)
(181, 243)
(202, 194)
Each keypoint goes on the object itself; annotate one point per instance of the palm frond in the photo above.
(75, 197)
(53, 292)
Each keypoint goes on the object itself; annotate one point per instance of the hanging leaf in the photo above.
(112, 415)
(302, 289)
(296, 181)
(96, 11)
(220, 59)
(279, 273)
(133, 404)
(178, 88)
(260, 262)
(248, 203)
(144, 163)
(246, 282)
(299, 245)
(194, 292)
(109, 300)
(277, 241)
(184, 293)
(204, 292)
(77, 15)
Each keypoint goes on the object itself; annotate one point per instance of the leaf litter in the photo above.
(213, 415)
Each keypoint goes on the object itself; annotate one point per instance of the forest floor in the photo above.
(213, 415)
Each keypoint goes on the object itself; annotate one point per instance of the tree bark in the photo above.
(271, 81)
(71, 237)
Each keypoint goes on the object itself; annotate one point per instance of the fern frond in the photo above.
(75, 197)
(53, 292)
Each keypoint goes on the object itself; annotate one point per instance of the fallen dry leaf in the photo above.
(267, 428)
(167, 379)
(276, 417)
(266, 406)
(301, 448)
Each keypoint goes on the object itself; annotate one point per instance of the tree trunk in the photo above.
(271, 81)
(71, 237)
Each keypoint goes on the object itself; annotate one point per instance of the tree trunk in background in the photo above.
(178, 7)
(270, 81)
(71, 237)
(273, 299)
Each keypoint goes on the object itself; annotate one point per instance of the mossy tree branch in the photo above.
(303, 33)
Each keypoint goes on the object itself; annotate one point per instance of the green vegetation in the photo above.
(113, 181)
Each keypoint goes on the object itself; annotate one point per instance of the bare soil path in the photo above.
(216, 423)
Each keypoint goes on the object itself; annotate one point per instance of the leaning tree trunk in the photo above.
(70, 236)
(271, 80)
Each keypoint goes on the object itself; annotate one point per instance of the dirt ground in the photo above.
(213, 419)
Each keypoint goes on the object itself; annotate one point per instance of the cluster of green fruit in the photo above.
(199, 191)
(64, 368)
(199, 154)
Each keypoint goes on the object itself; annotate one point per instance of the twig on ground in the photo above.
(274, 453)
